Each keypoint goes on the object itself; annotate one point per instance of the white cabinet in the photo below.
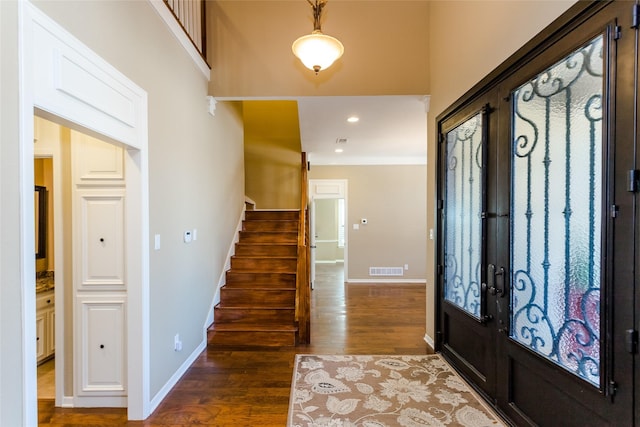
(45, 326)
(101, 240)
(99, 273)
(101, 370)
(95, 162)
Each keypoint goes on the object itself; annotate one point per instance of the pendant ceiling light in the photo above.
(317, 51)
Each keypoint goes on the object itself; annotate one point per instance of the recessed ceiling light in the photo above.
(339, 150)
(353, 119)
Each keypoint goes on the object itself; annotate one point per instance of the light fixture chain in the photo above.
(317, 12)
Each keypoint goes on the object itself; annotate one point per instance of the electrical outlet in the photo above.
(177, 344)
(406, 266)
(188, 236)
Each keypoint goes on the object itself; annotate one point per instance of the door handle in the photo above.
(491, 280)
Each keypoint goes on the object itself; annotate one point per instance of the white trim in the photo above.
(211, 105)
(67, 402)
(52, 151)
(333, 189)
(180, 35)
(429, 341)
(34, 75)
(398, 281)
(27, 245)
(99, 402)
(250, 201)
(164, 391)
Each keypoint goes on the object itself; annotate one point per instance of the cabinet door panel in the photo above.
(40, 336)
(97, 162)
(102, 242)
(102, 369)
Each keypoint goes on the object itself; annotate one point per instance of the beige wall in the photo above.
(493, 30)
(386, 48)
(326, 229)
(196, 170)
(272, 154)
(392, 199)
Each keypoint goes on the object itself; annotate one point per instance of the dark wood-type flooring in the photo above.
(240, 387)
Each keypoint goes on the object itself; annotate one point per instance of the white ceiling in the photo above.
(391, 130)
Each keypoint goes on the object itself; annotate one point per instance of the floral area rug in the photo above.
(382, 391)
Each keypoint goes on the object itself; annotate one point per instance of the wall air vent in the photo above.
(341, 140)
(386, 271)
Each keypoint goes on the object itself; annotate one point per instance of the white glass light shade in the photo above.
(317, 51)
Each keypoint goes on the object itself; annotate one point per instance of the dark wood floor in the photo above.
(239, 387)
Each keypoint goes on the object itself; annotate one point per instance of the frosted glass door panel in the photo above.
(556, 212)
(462, 211)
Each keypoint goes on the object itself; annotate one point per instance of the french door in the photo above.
(536, 197)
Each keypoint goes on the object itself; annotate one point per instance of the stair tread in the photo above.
(264, 257)
(257, 302)
(241, 243)
(258, 287)
(243, 326)
(242, 270)
(241, 307)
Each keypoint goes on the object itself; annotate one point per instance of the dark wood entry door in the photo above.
(536, 244)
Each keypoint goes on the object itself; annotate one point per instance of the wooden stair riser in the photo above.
(254, 315)
(272, 215)
(266, 250)
(253, 338)
(281, 280)
(259, 225)
(257, 303)
(268, 237)
(275, 265)
(236, 297)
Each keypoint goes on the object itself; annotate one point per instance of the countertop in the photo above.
(44, 281)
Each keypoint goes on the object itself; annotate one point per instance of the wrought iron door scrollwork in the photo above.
(556, 212)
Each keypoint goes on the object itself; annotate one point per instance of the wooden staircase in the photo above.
(258, 302)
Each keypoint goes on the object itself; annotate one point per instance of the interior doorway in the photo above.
(328, 219)
(97, 114)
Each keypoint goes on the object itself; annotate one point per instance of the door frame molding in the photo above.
(46, 52)
(332, 189)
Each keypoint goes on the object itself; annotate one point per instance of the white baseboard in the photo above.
(157, 399)
(430, 342)
(67, 402)
(100, 402)
(399, 281)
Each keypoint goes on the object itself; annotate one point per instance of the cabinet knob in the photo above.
(102, 240)
(48, 301)
(37, 338)
(101, 345)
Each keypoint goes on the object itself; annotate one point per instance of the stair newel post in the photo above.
(303, 287)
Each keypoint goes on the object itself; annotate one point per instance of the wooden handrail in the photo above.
(303, 286)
